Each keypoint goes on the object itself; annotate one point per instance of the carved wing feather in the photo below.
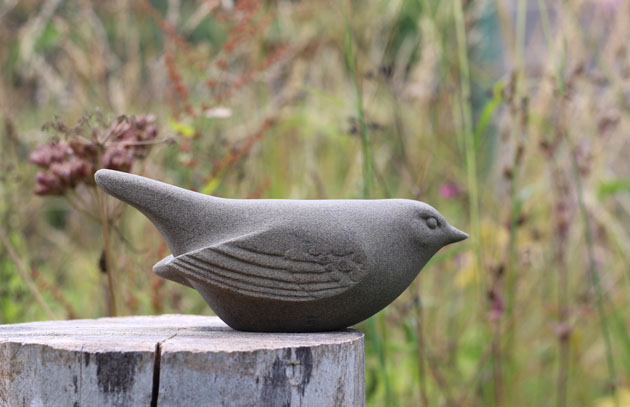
(293, 268)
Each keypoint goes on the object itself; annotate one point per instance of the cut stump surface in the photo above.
(176, 360)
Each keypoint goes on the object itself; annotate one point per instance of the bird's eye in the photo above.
(432, 223)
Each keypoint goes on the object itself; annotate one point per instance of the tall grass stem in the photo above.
(21, 268)
(593, 273)
(109, 264)
(469, 142)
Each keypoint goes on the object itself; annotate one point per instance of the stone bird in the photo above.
(280, 265)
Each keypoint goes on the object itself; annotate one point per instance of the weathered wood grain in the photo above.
(176, 360)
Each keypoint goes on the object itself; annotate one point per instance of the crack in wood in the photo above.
(155, 390)
(156, 375)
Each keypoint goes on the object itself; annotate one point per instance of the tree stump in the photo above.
(176, 360)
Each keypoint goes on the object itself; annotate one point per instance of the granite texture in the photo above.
(279, 265)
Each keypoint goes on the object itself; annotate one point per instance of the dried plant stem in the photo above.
(563, 370)
(80, 206)
(109, 265)
(27, 278)
(521, 24)
(593, 273)
(520, 134)
(561, 231)
(497, 371)
(563, 293)
(363, 131)
(55, 292)
(439, 379)
(505, 25)
(511, 281)
(420, 344)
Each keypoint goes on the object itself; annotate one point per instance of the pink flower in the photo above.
(450, 190)
(497, 307)
(118, 159)
(48, 184)
(608, 6)
(68, 163)
(53, 152)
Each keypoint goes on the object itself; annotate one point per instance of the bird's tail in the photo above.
(176, 212)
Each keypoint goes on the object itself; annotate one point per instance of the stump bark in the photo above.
(176, 360)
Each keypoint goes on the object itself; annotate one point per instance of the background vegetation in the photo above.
(510, 116)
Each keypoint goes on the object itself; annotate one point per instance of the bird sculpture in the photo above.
(280, 265)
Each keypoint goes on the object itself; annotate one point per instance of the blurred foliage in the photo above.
(510, 116)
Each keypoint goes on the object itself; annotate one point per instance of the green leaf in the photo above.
(489, 109)
(184, 129)
(48, 39)
(325, 96)
(612, 187)
(211, 185)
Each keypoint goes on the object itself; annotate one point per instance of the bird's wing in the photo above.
(289, 266)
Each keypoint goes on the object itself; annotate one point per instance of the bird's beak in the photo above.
(455, 235)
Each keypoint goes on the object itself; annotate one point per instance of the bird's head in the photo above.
(430, 229)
